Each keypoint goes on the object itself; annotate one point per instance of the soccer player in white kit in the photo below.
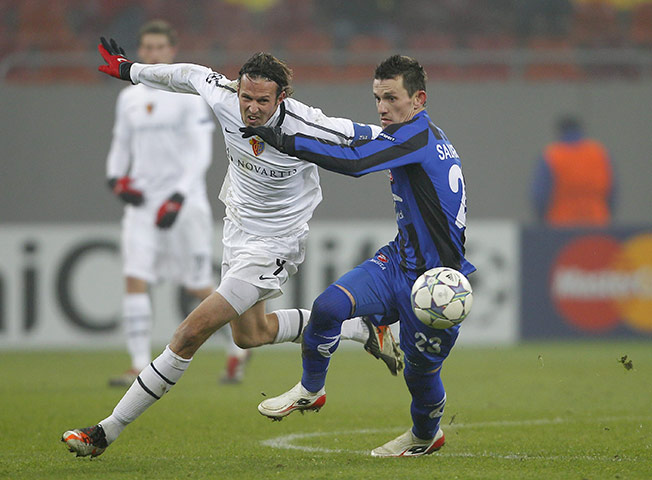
(161, 150)
(269, 199)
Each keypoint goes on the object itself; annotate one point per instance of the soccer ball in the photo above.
(441, 297)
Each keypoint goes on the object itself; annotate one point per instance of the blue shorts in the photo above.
(381, 289)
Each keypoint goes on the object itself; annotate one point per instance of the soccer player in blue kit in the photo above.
(430, 200)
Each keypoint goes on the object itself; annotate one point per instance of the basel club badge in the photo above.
(257, 146)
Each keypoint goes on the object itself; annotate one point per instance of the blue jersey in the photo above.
(427, 186)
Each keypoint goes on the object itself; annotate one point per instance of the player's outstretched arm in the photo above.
(174, 77)
(386, 151)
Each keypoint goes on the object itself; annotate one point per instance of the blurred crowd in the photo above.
(305, 26)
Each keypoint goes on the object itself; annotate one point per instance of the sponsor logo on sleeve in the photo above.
(386, 137)
(381, 260)
(214, 78)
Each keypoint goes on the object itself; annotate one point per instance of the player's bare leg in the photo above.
(255, 328)
(156, 379)
(211, 314)
(236, 357)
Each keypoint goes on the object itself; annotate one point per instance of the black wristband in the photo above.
(125, 70)
(111, 182)
(287, 145)
(177, 198)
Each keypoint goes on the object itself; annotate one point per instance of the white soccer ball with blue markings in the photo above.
(441, 297)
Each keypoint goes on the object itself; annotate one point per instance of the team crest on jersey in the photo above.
(257, 146)
(149, 107)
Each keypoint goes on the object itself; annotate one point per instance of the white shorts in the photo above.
(182, 253)
(265, 262)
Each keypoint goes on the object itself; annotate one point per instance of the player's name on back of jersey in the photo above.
(446, 151)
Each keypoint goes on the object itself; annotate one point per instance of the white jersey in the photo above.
(266, 192)
(163, 141)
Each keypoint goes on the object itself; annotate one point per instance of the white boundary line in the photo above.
(287, 442)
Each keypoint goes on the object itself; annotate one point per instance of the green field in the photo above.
(540, 411)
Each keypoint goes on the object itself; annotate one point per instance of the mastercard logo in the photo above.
(598, 282)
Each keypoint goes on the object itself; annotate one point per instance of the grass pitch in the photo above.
(529, 412)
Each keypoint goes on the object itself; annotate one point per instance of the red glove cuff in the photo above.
(168, 212)
(167, 207)
(122, 185)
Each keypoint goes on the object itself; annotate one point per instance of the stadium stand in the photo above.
(322, 40)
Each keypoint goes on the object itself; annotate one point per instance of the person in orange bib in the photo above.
(574, 181)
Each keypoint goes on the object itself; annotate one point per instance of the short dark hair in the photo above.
(414, 76)
(158, 27)
(267, 66)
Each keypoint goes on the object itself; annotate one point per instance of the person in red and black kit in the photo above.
(574, 180)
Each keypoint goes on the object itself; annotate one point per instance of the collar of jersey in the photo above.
(279, 114)
(390, 129)
(420, 114)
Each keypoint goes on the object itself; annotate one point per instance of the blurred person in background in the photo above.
(161, 150)
(574, 182)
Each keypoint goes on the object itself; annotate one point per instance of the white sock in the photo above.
(291, 324)
(355, 329)
(152, 383)
(137, 315)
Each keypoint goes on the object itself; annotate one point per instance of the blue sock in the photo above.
(322, 335)
(428, 400)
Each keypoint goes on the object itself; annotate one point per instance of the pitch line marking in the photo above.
(286, 442)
